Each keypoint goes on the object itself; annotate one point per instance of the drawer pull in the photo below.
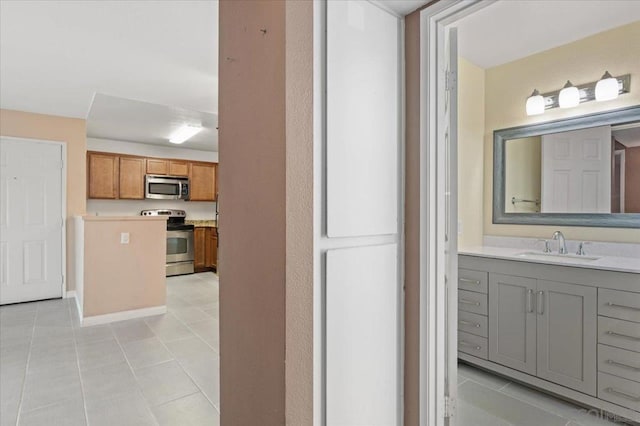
(471, 345)
(626, 336)
(466, 280)
(623, 394)
(469, 302)
(616, 305)
(619, 364)
(474, 324)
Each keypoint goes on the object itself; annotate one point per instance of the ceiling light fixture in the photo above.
(607, 88)
(185, 132)
(535, 103)
(569, 96)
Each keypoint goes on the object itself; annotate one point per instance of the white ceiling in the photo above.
(122, 119)
(512, 29)
(54, 55)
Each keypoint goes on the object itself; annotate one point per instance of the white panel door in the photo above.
(31, 220)
(576, 171)
(362, 119)
(362, 336)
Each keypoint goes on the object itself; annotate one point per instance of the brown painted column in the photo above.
(265, 257)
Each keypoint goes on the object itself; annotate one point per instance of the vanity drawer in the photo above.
(473, 323)
(470, 301)
(472, 345)
(619, 333)
(619, 362)
(619, 391)
(619, 304)
(471, 280)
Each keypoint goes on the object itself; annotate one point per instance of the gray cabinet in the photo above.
(512, 322)
(544, 328)
(567, 337)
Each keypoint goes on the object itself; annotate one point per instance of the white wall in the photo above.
(197, 210)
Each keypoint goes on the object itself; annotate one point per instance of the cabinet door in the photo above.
(178, 168)
(132, 170)
(512, 322)
(214, 248)
(567, 334)
(156, 166)
(202, 180)
(199, 248)
(102, 175)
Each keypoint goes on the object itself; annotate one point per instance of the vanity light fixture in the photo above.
(184, 132)
(535, 103)
(607, 88)
(569, 96)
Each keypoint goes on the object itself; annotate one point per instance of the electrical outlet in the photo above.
(124, 238)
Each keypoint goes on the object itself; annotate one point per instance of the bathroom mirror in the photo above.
(582, 171)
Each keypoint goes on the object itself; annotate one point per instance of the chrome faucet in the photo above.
(562, 246)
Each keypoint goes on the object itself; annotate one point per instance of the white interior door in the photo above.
(31, 220)
(576, 171)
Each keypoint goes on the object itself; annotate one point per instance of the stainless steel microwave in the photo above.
(166, 187)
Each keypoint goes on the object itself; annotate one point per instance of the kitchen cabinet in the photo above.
(202, 178)
(178, 168)
(131, 175)
(544, 328)
(199, 249)
(102, 175)
(211, 248)
(205, 248)
(157, 166)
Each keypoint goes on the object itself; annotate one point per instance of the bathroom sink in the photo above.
(555, 256)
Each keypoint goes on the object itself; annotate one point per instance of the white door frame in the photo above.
(438, 309)
(63, 194)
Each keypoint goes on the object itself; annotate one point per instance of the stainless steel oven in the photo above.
(180, 244)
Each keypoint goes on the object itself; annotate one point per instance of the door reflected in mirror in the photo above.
(590, 170)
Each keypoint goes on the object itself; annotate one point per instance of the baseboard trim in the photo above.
(69, 294)
(124, 315)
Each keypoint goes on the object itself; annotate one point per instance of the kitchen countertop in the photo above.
(608, 263)
(95, 218)
(202, 223)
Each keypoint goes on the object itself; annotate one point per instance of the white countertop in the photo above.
(609, 263)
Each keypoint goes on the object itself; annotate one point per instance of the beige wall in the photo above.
(523, 159)
(470, 147)
(123, 277)
(507, 87)
(252, 264)
(299, 202)
(72, 131)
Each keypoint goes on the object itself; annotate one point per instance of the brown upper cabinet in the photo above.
(158, 166)
(119, 176)
(178, 168)
(102, 175)
(202, 179)
(132, 171)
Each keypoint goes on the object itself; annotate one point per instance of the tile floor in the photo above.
(161, 370)
(490, 400)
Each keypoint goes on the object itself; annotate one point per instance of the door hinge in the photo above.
(449, 407)
(449, 80)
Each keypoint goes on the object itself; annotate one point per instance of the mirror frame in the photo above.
(605, 220)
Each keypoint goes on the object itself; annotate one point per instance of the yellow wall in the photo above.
(470, 140)
(522, 173)
(507, 87)
(73, 132)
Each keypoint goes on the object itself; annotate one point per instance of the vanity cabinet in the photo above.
(572, 331)
(544, 328)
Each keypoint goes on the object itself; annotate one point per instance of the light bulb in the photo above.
(535, 103)
(607, 88)
(569, 96)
